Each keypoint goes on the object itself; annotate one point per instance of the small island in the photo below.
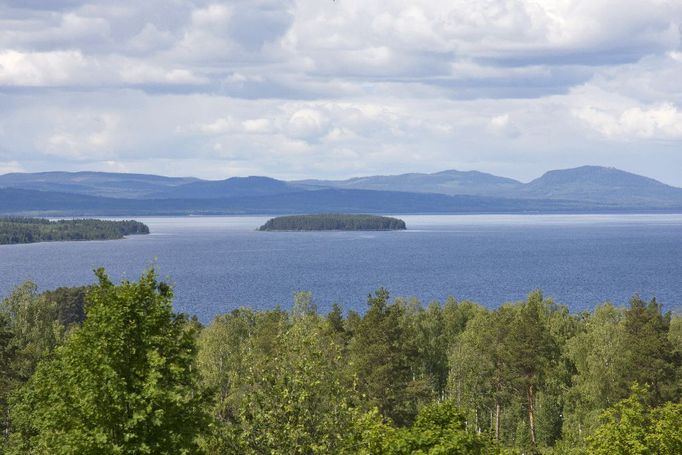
(333, 222)
(31, 230)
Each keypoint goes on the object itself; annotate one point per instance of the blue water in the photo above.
(221, 263)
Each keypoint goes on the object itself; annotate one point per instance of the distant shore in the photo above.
(17, 230)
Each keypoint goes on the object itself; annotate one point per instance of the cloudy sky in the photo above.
(332, 89)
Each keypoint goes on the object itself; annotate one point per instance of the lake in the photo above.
(221, 263)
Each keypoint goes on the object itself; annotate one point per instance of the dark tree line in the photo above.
(30, 230)
(111, 369)
(333, 222)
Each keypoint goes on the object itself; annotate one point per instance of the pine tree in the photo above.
(650, 353)
(380, 357)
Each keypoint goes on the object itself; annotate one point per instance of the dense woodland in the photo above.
(30, 230)
(110, 369)
(333, 222)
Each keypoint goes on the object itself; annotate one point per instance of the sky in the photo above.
(333, 89)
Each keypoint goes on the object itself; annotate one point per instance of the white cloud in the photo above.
(258, 126)
(302, 88)
(306, 40)
(500, 121)
(41, 68)
(150, 39)
(500, 29)
(503, 125)
(134, 72)
(214, 15)
(219, 126)
(663, 121)
(53, 31)
(307, 124)
(84, 137)
(72, 68)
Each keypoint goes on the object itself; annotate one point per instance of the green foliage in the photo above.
(481, 378)
(116, 372)
(303, 305)
(335, 323)
(285, 399)
(440, 429)
(456, 316)
(7, 373)
(69, 303)
(372, 435)
(650, 354)
(533, 350)
(121, 384)
(220, 360)
(380, 355)
(295, 402)
(428, 331)
(333, 222)
(31, 326)
(632, 427)
(29, 230)
(600, 369)
(499, 365)
(35, 325)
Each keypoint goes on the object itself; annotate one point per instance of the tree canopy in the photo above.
(123, 383)
(333, 222)
(111, 369)
(30, 230)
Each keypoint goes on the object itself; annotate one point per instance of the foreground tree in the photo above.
(35, 325)
(480, 375)
(533, 351)
(632, 427)
(220, 360)
(381, 356)
(7, 374)
(652, 359)
(600, 365)
(294, 401)
(439, 428)
(121, 384)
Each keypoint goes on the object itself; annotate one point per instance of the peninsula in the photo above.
(30, 230)
(333, 222)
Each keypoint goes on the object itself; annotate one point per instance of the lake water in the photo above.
(221, 263)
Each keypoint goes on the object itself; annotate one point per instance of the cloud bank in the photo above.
(310, 88)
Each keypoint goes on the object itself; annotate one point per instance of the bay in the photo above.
(221, 263)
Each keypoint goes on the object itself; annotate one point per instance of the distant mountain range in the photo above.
(586, 189)
(451, 182)
(595, 184)
(105, 184)
(600, 184)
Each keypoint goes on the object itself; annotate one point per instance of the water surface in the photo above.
(221, 263)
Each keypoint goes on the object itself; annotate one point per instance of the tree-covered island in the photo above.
(31, 230)
(333, 222)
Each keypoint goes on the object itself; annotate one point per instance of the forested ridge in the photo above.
(30, 230)
(333, 222)
(112, 369)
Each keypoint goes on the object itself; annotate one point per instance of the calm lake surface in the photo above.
(221, 263)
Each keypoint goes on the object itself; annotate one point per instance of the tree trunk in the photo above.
(497, 419)
(531, 413)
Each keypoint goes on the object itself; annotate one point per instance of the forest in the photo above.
(31, 230)
(112, 369)
(333, 222)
